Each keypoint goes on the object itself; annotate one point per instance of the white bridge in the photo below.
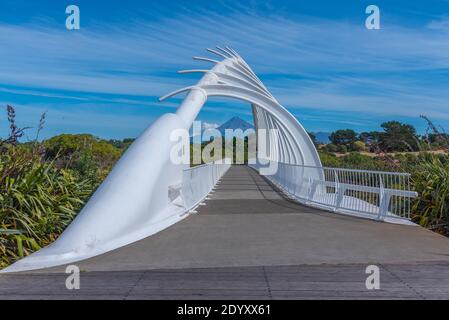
(146, 192)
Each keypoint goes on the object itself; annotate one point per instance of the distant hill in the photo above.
(322, 137)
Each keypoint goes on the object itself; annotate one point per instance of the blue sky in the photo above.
(316, 57)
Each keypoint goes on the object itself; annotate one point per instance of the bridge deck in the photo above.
(250, 242)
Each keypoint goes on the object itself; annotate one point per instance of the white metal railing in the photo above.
(373, 194)
(198, 182)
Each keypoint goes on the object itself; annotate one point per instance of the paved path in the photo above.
(250, 242)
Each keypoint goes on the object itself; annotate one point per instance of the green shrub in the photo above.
(355, 160)
(331, 148)
(329, 160)
(359, 146)
(430, 179)
(44, 185)
(88, 156)
(342, 149)
(37, 202)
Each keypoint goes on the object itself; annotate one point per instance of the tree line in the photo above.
(395, 137)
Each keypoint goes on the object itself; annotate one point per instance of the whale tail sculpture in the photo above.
(146, 192)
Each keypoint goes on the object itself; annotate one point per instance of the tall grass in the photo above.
(37, 200)
(430, 178)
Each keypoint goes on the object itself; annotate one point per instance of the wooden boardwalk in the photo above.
(248, 242)
(417, 282)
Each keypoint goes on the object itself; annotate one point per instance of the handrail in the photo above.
(222, 161)
(350, 170)
(199, 181)
(378, 195)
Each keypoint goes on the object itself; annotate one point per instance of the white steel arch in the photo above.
(145, 192)
(233, 78)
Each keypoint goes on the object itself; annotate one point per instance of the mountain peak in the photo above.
(235, 123)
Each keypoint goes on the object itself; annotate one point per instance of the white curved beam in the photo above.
(234, 52)
(193, 71)
(217, 53)
(248, 70)
(227, 52)
(242, 75)
(307, 150)
(251, 74)
(232, 80)
(133, 202)
(176, 92)
(206, 59)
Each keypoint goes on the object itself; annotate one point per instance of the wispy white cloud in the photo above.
(79, 118)
(441, 24)
(40, 94)
(307, 62)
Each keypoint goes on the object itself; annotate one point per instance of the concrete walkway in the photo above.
(250, 242)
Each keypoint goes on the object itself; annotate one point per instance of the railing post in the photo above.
(383, 200)
(356, 191)
(312, 190)
(339, 192)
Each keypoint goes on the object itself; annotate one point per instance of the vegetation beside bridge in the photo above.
(44, 184)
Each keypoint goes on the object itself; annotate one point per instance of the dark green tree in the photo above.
(398, 137)
(370, 137)
(344, 137)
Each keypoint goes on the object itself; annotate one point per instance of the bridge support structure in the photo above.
(147, 192)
